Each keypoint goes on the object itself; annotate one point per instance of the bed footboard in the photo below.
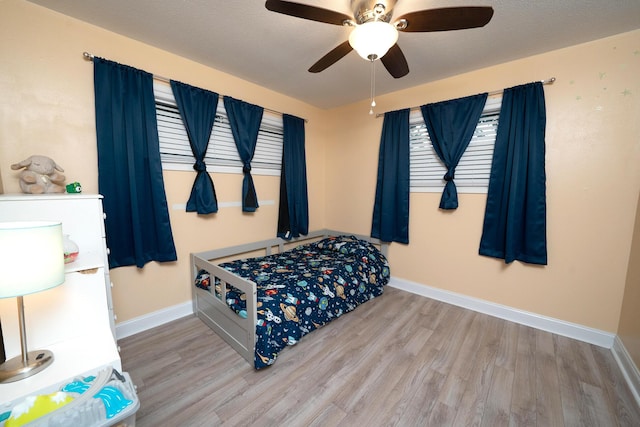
(238, 332)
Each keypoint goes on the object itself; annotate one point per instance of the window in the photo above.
(473, 170)
(222, 155)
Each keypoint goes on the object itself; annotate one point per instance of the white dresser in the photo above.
(74, 320)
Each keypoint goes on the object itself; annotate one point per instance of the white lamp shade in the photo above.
(31, 257)
(373, 39)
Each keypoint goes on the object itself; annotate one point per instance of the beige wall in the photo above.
(47, 107)
(593, 180)
(629, 328)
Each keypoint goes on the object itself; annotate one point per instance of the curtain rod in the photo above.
(494, 92)
(89, 57)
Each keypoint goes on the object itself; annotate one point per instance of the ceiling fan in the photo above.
(373, 36)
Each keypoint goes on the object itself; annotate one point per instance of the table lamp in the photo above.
(31, 260)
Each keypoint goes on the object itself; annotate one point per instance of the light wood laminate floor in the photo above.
(399, 360)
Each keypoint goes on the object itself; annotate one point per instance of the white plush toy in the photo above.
(40, 176)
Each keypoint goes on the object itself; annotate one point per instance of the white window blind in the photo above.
(472, 173)
(222, 154)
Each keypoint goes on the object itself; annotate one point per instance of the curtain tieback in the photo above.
(200, 166)
(246, 168)
(450, 174)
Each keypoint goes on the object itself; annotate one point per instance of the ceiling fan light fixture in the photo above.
(373, 39)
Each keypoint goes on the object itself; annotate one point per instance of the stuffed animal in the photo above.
(40, 176)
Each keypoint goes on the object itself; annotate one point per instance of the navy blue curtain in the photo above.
(451, 125)
(391, 210)
(244, 119)
(515, 225)
(293, 215)
(198, 111)
(129, 169)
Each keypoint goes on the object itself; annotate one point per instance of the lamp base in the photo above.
(15, 369)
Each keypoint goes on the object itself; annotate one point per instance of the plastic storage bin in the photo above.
(107, 399)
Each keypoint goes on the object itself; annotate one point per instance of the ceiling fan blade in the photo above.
(307, 12)
(331, 58)
(447, 18)
(395, 62)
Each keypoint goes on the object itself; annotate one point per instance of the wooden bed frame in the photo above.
(238, 332)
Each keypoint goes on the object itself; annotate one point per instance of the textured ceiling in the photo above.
(243, 38)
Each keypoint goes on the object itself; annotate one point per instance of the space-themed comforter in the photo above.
(304, 288)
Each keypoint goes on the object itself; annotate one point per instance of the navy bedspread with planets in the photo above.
(304, 288)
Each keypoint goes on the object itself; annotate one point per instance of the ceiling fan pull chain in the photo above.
(373, 85)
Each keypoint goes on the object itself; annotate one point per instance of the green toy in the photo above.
(74, 187)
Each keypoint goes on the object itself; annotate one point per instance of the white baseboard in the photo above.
(627, 366)
(560, 327)
(151, 320)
